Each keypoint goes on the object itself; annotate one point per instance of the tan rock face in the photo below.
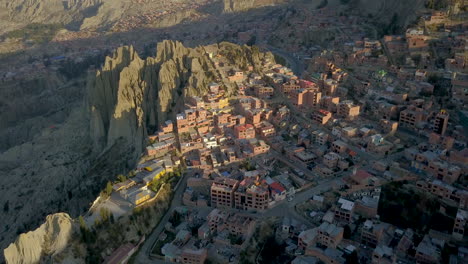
(129, 95)
(65, 167)
(49, 239)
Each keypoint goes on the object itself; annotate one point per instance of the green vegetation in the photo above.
(73, 69)
(436, 4)
(235, 240)
(280, 60)
(274, 252)
(110, 234)
(248, 165)
(322, 4)
(38, 33)
(252, 41)
(352, 258)
(405, 207)
(175, 219)
(263, 248)
(121, 178)
(107, 191)
(170, 178)
(160, 243)
(441, 85)
(347, 232)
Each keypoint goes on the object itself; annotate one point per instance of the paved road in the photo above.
(296, 65)
(145, 250)
(283, 208)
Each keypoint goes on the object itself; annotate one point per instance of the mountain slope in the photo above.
(64, 168)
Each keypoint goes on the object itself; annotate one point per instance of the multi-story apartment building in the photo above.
(306, 97)
(289, 87)
(430, 162)
(331, 159)
(263, 92)
(446, 191)
(244, 131)
(372, 234)
(258, 146)
(330, 86)
(460, 224)
(383, 255)
(222, 192)
(265, 129)
(252, 195)
(193, 256)
(319, 137)
(460, 86)
(344, 211)
(388, 126)
(440, 123)
(321, 116)
(347, 109)
(339, 146)
(405, 243)
(330, 103)
(428, 252)
(329, 235)
(411, 117)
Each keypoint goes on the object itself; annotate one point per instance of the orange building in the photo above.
(321, 116)
(348, 109)
(244, 131)
(222, 192)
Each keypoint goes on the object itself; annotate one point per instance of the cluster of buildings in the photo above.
(367, 113)
(218, 234)
(130, 22)
(136, 189)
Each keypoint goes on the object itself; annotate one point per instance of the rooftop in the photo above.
(345, 204)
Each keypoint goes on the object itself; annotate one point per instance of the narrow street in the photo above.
(282, 209)
(143, 255)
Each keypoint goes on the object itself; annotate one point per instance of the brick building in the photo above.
(222, 192)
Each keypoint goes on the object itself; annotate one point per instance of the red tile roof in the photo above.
(277, 187)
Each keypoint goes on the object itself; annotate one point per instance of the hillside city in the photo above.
(331, 172)
(353, 153)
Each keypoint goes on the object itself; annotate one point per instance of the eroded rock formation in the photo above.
(64, 168)
(49, 239)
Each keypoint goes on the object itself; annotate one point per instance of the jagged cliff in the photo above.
(129, 95)
(49, 239)
(64, 168)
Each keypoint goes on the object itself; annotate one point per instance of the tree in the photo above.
(252, 40)
(322, 4)
(6, 206)
(347, 232)
(82, 223)
(352, 258)
(109, 188)
(121, 178)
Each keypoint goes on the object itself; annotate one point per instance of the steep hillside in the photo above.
(129, 95)
(244, 5)
(49, 239)
(84, 14)
(63, 168)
